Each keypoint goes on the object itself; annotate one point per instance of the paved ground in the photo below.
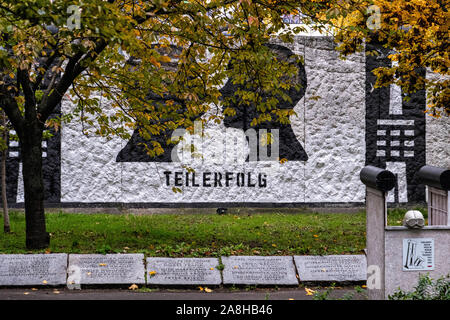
(172, 294)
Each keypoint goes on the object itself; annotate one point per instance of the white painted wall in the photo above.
(331, 129)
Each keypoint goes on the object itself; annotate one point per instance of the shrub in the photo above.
(426, 289)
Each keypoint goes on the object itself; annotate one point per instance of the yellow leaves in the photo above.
(133, 287)
(165, 59)
(266, 139)
(44, 282)
(190, 96)
(417, 30)
(229, 112)
(102, 264)
(154, 62)
(205, 289)
(393, 57)
(152, 273)
(309, 292)
(314, 98)
(130, 125)
(11, 75)
(53, 123)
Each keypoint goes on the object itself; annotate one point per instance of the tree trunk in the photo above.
(31, 151)
(6, 225)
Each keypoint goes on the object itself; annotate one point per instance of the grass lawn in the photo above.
(197, 235)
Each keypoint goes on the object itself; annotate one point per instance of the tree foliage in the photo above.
(179, 51)
(416, 32)
(161, 63)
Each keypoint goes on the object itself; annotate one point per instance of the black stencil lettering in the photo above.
(206, 179)
(240, 178)
(228, 178)
(249, 183)
(167, 174)
(262, 180)
(217, 179)
(178, 179)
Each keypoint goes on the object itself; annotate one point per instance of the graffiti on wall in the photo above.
(288, 144)
(395, 129)
(394, 138)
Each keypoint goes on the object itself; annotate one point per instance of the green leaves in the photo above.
(159, 65)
